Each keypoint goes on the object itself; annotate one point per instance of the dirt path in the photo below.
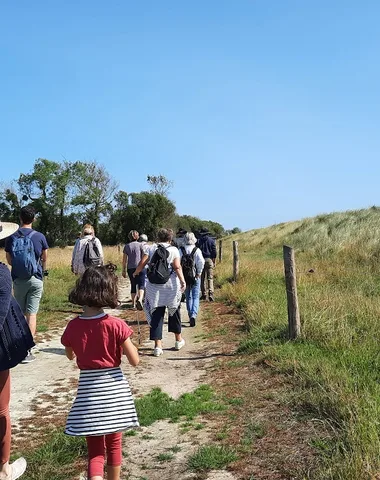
(43, 390)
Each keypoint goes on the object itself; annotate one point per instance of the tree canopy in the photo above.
(66, 195)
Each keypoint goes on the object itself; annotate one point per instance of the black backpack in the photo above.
(188, 265)
(159, 270)
(91, 255)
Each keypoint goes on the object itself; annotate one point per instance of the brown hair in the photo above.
(97, 287)
(165, 235)
(133, 235)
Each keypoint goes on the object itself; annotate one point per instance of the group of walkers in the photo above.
(159, 273)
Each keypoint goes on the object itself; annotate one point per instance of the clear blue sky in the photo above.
(260, 111)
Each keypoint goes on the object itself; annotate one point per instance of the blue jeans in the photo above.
(192, 298)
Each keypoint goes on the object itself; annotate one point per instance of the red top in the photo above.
(96, 341)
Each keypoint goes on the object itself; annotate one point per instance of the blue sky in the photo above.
(259, 111)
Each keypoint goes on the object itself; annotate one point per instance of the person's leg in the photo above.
(156, 324)
(96, 456)
(33, 299)
(133, 281)
(5, 421)
(188, 300)
(141, 289)
(114, 455)
(203, 283)
(195, 300)
(18, 467)
(210, 278)
(20, 292)
(175, 326)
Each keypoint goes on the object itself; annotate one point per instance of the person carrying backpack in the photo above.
(15, 342)
(207, 246)
(192, 263)
(164, 287)
(88, 251)
(26, 252)
(132, 254)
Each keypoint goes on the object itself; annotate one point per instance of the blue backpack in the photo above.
(24, 262)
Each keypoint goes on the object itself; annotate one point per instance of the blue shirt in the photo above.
(39, 242)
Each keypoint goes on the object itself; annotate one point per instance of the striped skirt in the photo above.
(103, 405)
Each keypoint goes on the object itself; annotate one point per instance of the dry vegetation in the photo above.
(335, 365)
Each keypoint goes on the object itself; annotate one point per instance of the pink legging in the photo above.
(97, 447)
(5, 420)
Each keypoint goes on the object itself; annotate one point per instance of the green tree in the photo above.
(95, 191)
(143, 211)
(10, 204)
(50, 187)
(159, 184)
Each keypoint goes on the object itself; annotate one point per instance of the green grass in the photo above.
(56, 459)
(157, 405)
(55, 307)
(335, 364)
(252, 432)
(165, 457)
(211, 457)
(175, 449)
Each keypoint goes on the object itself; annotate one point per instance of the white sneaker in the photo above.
(29, 358)
(157, 351)
(179, 345)
(18, 467)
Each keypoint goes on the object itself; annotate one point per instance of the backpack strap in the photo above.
(183, 250)
(193, 251)
(29, 234)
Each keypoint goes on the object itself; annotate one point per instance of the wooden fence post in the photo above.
(291, 293)
(236, 261)
(220, 250)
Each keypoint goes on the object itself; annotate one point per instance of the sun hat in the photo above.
(181, 231)
(204, 231)
(7, 229)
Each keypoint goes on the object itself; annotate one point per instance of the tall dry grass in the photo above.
(336, 362)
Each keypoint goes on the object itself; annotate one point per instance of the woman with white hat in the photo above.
(15, 341)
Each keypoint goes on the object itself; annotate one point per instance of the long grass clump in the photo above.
(336, 362)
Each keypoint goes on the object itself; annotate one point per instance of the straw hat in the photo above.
(7, 229)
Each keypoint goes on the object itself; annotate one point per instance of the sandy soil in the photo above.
(48, 385)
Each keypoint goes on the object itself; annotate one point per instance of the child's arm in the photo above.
(131, 352)
(69, 353)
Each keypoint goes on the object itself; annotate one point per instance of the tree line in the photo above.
(66, 195)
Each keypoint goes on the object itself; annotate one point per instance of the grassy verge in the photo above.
(335, 365)
(157, 405)
(59, 458)
(55, 307)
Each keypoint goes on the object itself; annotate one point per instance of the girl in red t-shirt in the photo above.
(104, 406)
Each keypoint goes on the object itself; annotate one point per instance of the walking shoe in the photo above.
(139, 305)
(29, 358)
(211, 298)
(157, 352)
(192, 322)
(203, 297)
(179, 345)
(18, 467)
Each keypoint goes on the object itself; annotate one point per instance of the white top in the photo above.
(173, 251)
(199, 261)
(78, 252)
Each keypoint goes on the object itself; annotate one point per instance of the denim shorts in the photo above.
(28, 293)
